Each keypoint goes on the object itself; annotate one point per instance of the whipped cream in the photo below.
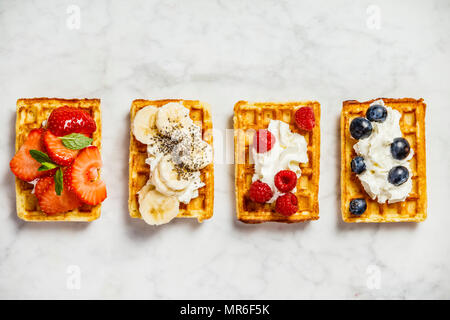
(289, 150)
(376, 152)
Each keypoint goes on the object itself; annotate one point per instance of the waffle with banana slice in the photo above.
(144, 194)
(412, 125)
(31, 113)
(249, 117)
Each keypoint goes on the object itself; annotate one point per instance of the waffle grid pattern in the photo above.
(200, 207)
(30, 115)
(412, 124)
(249, 117)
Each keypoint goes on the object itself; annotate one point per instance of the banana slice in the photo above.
(144, 124)
(173, 120)
(159, 184)
(196, 155)
(171, 175)
(156, 208)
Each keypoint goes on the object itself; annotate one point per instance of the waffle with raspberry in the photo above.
(252, 116)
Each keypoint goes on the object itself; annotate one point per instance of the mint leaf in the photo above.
(76, 141)
(40, 156)
(47, 166)
(59, 182)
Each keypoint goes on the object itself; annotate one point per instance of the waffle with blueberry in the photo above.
(356, 119)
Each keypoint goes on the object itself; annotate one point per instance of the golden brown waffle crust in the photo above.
(30, 113)
(251, 116)
(200, 207)
(412, 124)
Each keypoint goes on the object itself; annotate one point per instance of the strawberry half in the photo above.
(51, 203)
(42, 186)
(22, 164)
(57, 151)
(82, 176)
(66, 120)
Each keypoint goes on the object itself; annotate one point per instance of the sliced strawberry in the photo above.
(82, 176)
(42, 186)
(57, 151)
(22, 164)
(51, 203)
(66, 120)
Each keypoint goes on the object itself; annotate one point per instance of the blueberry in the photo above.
(400, 148)
(376, 113)
(360, 128)
(358, 206)
(358, 165)
(398, 175)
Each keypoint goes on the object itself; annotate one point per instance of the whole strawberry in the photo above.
(66, 120)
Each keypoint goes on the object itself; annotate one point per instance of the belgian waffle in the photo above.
(30, 115)
(412, 125)
(249, 117)
(200, 207)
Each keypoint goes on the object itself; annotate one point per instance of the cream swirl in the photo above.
(289, 150)
(378, 159)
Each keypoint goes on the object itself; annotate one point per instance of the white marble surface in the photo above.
(221, 52)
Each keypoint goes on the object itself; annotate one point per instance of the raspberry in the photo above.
(285, 180)
(260, 192)
(287, 204)
(304, 118)
(263, 140)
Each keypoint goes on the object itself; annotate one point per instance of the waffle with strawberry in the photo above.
(57, 162)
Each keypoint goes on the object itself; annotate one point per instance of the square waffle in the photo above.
(30, 115)
(249, 117)
(412, 125)
(139, 172)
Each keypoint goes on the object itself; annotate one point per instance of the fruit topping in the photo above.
(57, 151)
(304, 118)
(285, 180)
(358, 165)
(376, 113)
(155, 207)
(398, 175)
(81, 178)
(287, 204)
(263, 140)
(358, 206)
(23, 165)
(260, 192)
(66, 120)
(173, 120)
(42, 185)
(360, 128)
(52, 203)
(400, 148)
